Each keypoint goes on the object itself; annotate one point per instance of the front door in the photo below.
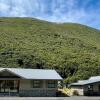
(9, 86)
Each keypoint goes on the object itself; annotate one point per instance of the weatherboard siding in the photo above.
(25, 84)
(26, 89)
(95, 87)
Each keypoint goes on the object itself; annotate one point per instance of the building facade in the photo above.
(28, 82)
(90, 87)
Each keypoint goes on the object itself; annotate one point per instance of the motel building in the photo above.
(28, 82)
(90, 87)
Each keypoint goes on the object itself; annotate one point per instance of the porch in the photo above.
(9, 83)
(19, 82)
(27, 88)
(92, 89)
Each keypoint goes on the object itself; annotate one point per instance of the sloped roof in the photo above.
(91, 80)
(34, 73)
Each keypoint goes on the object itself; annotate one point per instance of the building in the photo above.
(90, 87)
(28, 82)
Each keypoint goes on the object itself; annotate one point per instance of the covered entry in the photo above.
(9, 83)
(9, 86)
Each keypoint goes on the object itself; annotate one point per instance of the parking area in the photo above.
(50, 98)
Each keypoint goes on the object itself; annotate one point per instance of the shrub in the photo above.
(75, 93)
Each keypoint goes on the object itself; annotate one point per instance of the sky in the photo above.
(76, 11)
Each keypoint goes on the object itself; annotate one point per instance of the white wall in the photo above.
(79, 90)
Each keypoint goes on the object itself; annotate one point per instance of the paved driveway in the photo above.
(49, 98)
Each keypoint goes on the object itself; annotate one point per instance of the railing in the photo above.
(9, 94)
(38, 92)
(7, 90)
(92, 93)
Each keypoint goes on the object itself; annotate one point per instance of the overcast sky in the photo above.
(78, 11)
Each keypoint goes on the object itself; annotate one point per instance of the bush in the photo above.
(75, 93)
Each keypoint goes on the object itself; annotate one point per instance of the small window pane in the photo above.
(36, 84)
(52, 84)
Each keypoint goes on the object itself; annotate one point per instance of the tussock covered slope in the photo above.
(72, 49)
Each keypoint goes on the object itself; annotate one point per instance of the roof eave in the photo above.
(13, 73)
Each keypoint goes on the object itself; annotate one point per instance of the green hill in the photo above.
(72, 49)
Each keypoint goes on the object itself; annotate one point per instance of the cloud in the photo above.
(78, 11)
(3, 8)
(18, 8)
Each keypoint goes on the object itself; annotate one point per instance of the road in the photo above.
(50, 98)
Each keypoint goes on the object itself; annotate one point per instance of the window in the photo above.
(9, 86)
(36, 84)
(90, 87)
(52, 84)
(99, 87)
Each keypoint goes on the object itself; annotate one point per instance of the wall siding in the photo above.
(26, 89)
(84, 90)
(95, 91)
(25, 84)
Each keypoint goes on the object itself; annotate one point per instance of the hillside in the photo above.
(72, 49)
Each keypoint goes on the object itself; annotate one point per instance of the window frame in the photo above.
(36, 84)
(52, 84)
(90, 87)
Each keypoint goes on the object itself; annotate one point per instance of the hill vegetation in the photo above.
(72, 49)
